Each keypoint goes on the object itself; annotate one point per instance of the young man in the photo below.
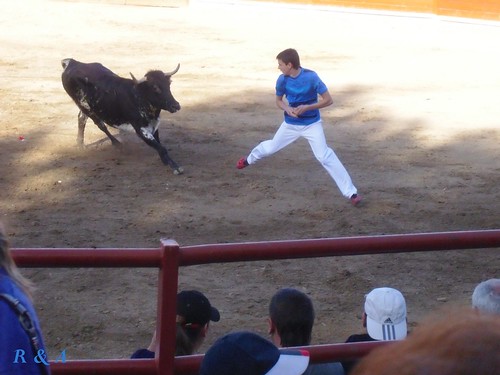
(291, 319)
(302, 87)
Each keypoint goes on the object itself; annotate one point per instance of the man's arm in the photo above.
(285, 107)
(325, 100)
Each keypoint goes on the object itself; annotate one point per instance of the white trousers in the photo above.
(315, 135)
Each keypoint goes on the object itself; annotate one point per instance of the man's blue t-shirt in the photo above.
(16, 354)
(303, 89)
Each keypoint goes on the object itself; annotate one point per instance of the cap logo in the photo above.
(388, 332)
(388, 321)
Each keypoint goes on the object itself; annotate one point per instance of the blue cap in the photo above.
(246, 353)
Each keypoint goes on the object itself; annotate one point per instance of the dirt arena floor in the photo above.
(415, 120)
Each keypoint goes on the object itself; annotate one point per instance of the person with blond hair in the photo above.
(22, 350)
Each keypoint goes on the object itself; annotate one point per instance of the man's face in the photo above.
(285, 68)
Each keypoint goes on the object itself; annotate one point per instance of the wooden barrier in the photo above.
(485, 9)
(420, 6)
(480, 9)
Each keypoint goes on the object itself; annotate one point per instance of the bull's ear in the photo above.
(136, 82)
(173, 71)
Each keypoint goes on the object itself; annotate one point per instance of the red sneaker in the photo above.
(242, 163)
(356, 199)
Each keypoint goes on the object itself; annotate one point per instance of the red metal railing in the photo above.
(170, 256)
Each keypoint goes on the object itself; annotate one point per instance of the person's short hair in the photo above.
(456, 342)
(486, 296)
(289, 56)
(246, 353)
(292, 314)
(385, 310)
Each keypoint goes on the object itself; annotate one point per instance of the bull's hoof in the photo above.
(178, 171)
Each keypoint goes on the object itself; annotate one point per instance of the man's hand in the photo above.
(291, 111)
(297, 111)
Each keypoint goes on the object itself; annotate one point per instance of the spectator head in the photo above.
(195, 309)
(486, 296)
(194, 313)
(450, 343)
(385, 314)
(291, 318)
(246, 353)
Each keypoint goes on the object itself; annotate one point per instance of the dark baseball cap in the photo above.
(194, 307)
(246, 353)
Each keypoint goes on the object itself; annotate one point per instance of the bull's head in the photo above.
(155, 87)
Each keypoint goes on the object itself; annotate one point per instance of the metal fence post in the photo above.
(167, 310)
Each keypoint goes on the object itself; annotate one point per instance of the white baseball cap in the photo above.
(385, 310)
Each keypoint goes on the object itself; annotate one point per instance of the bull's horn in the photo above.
(65, 63)
(174, 71)
(136, 82)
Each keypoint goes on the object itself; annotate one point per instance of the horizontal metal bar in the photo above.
(81, 257)
(190, 365)
(105, 367)
(253, 251)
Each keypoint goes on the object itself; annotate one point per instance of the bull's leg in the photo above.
(82, 120)
(104, 128)
(151, 140)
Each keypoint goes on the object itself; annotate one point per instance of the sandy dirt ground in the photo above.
(415, 120)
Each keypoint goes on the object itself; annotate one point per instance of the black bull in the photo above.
(115, 101)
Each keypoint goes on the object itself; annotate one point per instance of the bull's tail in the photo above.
(65, 63)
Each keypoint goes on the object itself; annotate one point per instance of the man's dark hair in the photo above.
(290, 56)
(292, 314)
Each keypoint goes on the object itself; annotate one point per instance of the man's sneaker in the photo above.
(356, 199)
(242, 163)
